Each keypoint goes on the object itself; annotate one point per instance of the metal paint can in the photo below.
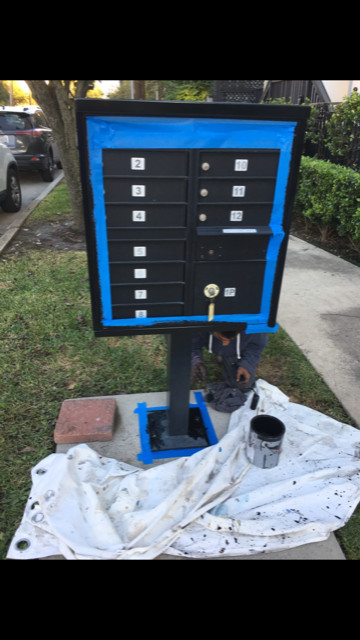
(265, 441)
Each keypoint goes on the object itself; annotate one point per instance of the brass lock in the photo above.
(211, 291)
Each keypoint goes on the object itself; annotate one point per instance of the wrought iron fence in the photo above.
(317, 138)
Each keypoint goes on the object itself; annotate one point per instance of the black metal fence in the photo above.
(317, 136)
(237, 90)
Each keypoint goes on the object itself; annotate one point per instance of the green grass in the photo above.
(55, 206)
(49, 354)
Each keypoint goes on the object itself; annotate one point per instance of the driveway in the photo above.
(33, 189)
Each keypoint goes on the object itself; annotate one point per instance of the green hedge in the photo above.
(329, 196)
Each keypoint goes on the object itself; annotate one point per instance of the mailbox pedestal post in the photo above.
(179, 366)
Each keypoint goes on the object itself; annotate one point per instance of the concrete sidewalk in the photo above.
(320, 310)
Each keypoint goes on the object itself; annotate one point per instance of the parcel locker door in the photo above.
(240, 284)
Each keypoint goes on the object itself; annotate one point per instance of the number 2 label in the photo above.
(138, 163)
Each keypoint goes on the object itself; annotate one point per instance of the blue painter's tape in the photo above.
(127, 132)
(147, 455)
(261, 328)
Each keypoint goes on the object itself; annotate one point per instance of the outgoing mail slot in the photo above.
(212, 246)
(240, 286)
(243, 162)
(141, 189)
(133, 294)
(139, 162)
(134, 250)
(238, 189)
(151, 215)
(146, 272)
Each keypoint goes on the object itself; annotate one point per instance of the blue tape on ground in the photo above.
(147, 456)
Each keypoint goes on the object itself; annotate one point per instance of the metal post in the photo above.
(179, 366)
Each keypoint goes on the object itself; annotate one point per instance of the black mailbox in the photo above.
(187, 209)
(182, 195)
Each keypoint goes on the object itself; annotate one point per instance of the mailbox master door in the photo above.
(181, 197)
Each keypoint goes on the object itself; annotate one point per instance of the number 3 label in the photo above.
(138, 190)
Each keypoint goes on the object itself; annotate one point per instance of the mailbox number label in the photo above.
(241, 165)
(140, 273)
(139, 252)
(140, 294)
(229, 292)
(238, 192)
(138, 190)
(236, 216)
(140, 313)
(139, 216)
(138, 163)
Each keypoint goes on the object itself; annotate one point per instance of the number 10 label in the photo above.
(241, 164)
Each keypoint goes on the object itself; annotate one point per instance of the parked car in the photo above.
(10, 190)
(27, 134)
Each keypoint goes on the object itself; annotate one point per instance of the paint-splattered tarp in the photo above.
(211, 504)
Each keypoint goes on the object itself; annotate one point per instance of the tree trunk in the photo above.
(57, 102)
(139, 89)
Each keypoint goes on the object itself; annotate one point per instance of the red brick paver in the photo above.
(85, 420)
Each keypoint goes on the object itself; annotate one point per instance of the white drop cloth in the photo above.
(211, 504)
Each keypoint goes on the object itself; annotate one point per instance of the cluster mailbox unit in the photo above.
(187, 209)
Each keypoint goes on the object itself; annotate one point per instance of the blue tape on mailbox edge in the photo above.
(113, 132)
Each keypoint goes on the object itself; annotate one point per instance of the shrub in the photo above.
(329, 196)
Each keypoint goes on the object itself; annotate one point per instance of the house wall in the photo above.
(338, 89)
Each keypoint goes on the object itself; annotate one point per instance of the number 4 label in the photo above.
(139, 216)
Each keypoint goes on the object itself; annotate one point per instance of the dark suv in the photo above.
(25, 131)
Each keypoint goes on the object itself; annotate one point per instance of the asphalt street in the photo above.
(33, 189)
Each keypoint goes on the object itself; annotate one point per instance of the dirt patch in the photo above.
(38, 234)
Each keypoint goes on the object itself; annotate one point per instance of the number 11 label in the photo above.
(238, 192)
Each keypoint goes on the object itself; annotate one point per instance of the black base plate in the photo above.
(160, 440)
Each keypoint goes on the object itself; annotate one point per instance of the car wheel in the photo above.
(12, 202)
(48, 172)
